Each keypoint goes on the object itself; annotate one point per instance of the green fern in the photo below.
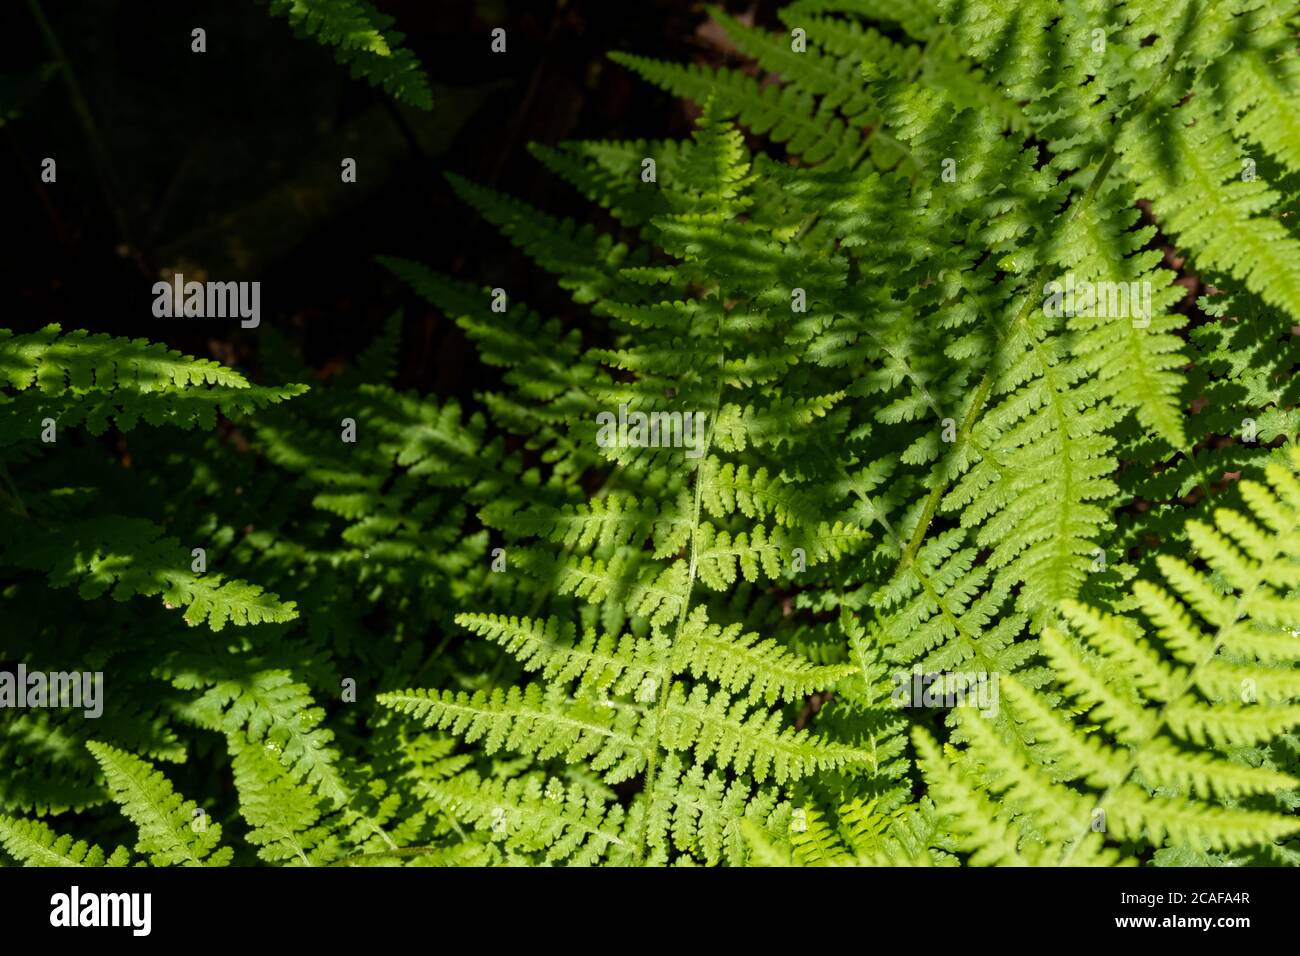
(1210, 673)
(484, 630)
(35, 844)
(172, 830)
(362, 39)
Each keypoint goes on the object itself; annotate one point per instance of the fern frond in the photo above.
(127, 557)
(362, 39)
(1172, 776)
(170, 831)
(285, 817)
(32, 843)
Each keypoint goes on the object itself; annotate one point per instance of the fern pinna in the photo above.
(884, 498)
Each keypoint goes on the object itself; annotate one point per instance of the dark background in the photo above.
(225, 165)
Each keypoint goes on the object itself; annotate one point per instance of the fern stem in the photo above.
(661, 707)
(959, 626)
(399, 852)
(1094, 187)
(986, 382)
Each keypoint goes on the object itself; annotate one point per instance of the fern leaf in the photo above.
(170, 831)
